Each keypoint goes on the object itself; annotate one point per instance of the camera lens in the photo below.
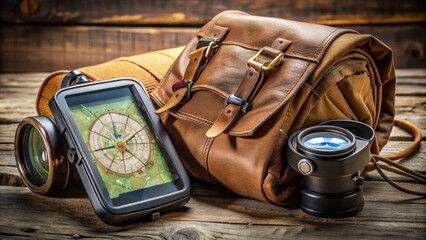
(326, 141)
(36, 160)
(329, 156)
(39, 154)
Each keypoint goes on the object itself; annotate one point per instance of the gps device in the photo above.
(120, 149)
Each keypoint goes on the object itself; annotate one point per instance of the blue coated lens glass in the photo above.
(325, 141)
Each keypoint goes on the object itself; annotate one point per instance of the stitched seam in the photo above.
(205, 147)
(331, 37)
(296, 55)
(285, 119)
(206, 151)
(180, 115)
(147, 68)
(326, 41)
(323, 43)
(241, 44)
(167, 55)
(312, 89)
(154, 92)
(193, 116)
(208, 87)
(158, 101)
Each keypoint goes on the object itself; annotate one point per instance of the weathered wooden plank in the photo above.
(213, 213)
(39, 48)
(408, 105)
(7, 157)
(410, 73)
(210, 217)
(200, 230)
(7, 132)
(54, 48)
(411, 85)
(398, 134)
(407, 53)
(9, 176)
(197, 12)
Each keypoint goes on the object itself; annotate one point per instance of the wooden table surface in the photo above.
(212, 212)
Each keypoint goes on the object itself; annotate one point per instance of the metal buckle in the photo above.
(211, 43)
(183, 84)
(210, 48)
(237, 101)
(188, 85)
(252, 62)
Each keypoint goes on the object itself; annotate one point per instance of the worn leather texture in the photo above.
(148, 68)
(326, 73)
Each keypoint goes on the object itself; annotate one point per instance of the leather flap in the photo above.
(224, 72)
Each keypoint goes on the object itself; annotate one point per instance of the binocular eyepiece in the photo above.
(331, 157)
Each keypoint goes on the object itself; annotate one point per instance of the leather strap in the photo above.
(198, 60)
(263, 61)
(195, 60)
(387, 162)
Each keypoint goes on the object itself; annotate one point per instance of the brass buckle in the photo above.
(252, 62)
(210, 48)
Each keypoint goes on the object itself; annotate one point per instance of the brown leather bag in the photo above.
(245, 83)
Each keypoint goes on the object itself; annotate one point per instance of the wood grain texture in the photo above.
(39, 48)
(49, 35)
(212, 218)
(197, 12)
(213, 212)
(26, 48)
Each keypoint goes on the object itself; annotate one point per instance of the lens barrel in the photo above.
(326, 141)
(39, 153)
(331, 156)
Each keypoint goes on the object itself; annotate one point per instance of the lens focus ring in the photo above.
(40, 156)
(326, 141)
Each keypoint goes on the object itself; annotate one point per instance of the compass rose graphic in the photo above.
(120, 144)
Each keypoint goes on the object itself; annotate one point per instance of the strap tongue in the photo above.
(180, 91)
(198, 60)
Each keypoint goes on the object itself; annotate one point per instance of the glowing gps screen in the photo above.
(121, 144)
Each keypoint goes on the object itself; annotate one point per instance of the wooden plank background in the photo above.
(41, 36)
(212, 212)
(48, 35)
